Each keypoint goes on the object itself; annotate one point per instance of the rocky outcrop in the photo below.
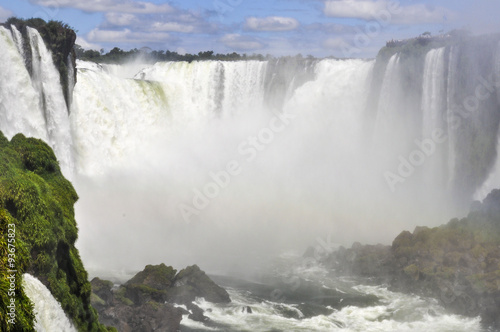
(36, 207)
(457, 263)
(146, 302)
(191, 283)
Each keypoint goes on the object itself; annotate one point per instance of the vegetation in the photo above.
(38, 201)
(118, 56)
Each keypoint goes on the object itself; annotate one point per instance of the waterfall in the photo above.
(493, 181)
(433, 108)
(388, 109)
(49, 316)
(155, 136)
(450, 113)
(46, 81)
(20, 111)
(18, 39)
(433, 102)
(71, 79)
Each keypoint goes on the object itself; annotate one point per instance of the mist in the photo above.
(233, 188)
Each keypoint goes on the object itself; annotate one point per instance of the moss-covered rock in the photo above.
(37, 201)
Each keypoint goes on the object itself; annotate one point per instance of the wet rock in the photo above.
(191, 283)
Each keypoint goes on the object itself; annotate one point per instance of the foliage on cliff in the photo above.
(459, 261)
(38, 201)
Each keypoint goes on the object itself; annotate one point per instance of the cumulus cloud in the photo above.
(119, 6)
(182, 21)
(122, 19)
(376, 9)
(271, 23)
(4, 14)
(241, 43)
(172, 27)
(335, 43)
(127, 36)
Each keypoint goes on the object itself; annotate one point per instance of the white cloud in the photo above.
(271, 23)
(335, 43)
(127, 36)
(86, 45)
(241, 43)
(119, 6)
(172, 27)
(4, 14)
(122, 19)
(387, 10)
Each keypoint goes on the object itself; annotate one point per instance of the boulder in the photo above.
(191, 283)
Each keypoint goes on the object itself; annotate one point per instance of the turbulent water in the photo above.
(300, 296)
(228, 164)
(49, 316)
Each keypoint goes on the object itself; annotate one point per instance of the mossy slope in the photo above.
(38, 200)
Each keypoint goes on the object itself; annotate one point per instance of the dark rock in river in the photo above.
(145, 302)
(191, 283)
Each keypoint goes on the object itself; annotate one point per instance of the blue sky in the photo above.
(343, 28)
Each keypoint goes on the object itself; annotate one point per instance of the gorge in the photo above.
(229, 164)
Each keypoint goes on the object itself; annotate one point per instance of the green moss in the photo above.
(38, 200)
(120, 296)
(157, 276)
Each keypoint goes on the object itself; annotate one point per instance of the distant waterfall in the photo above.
(433, 96)
(433, 109)
(49, 316)
(389, 110)
(493, 181)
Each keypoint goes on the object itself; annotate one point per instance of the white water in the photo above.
(18, 39)
(49, 316)
(396, 312)
(47, 83)
(433, 109)
(452, 134)
(155, 160)
(389, 110)
(433, 91)
(20, 111)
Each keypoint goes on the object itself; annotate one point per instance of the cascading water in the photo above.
(49, 316)
(20, 111)
(389, 107)
(451, 107)
(47, 83)
(433, 110)
(292, 134)
(18, 39)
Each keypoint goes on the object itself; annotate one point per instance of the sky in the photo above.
(341, 28)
